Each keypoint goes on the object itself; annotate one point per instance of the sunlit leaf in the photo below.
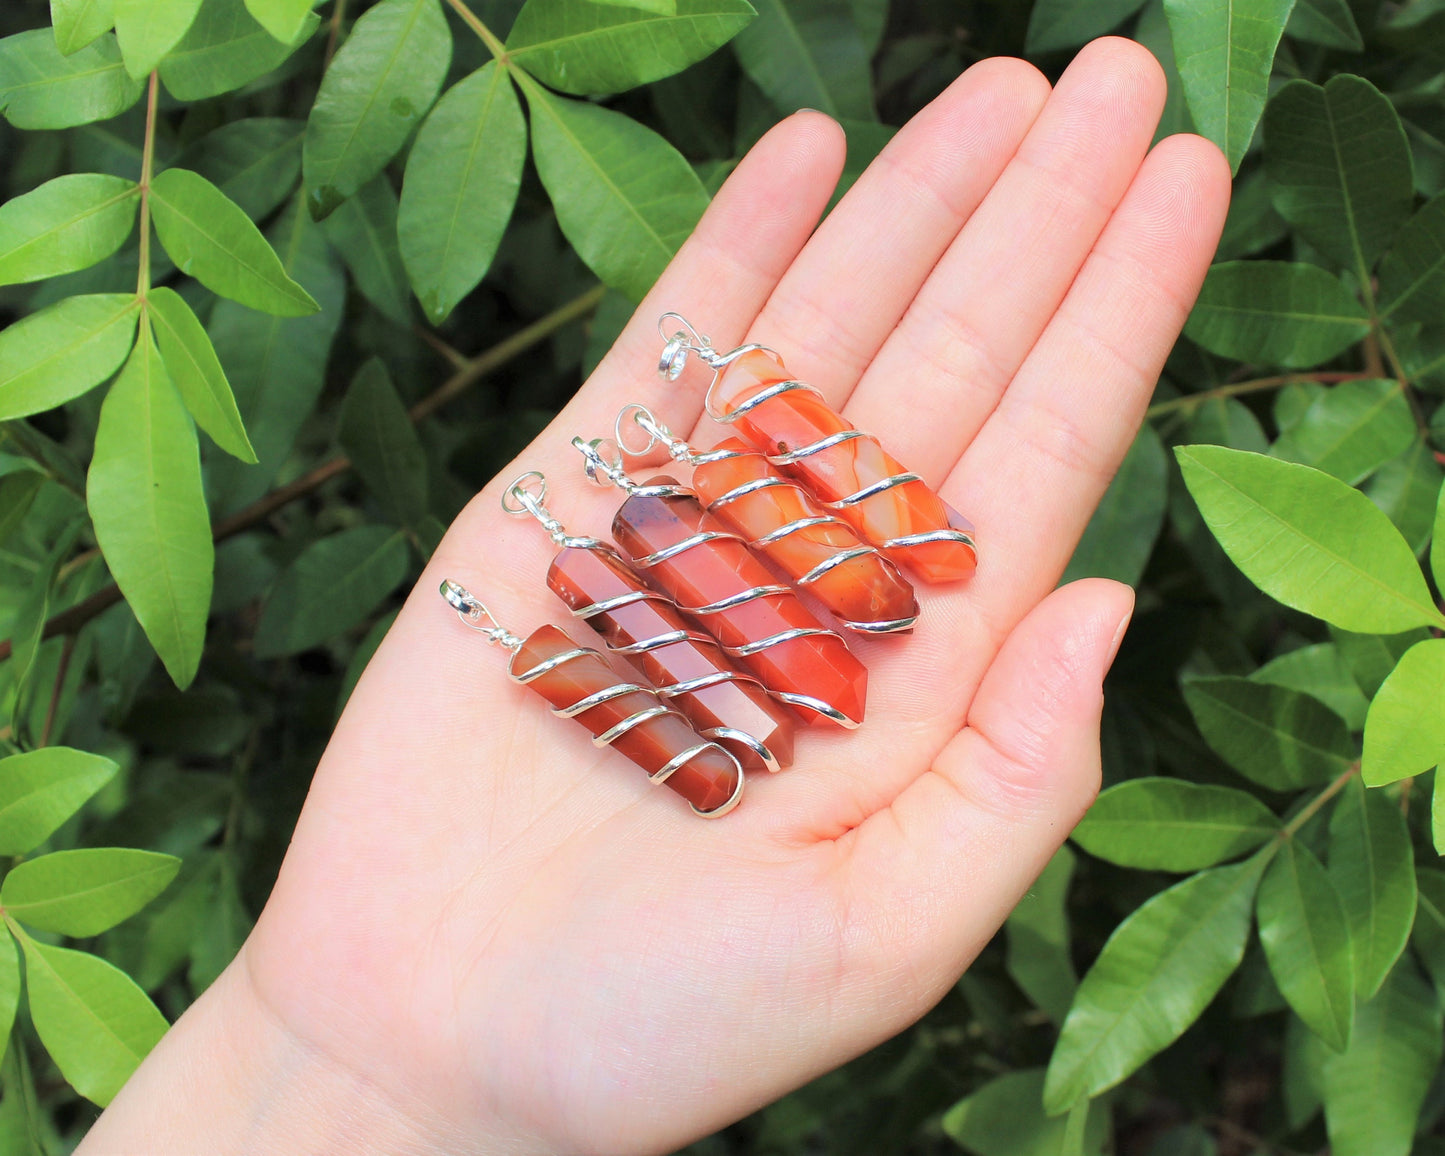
(1351, 430)
(78, 22)
(66, 224)
(148, 29)
(1405, 730)
(85, 891)
(57, 354)
(40, 88)
(224, 50)
(39, 790)
(1157, 824)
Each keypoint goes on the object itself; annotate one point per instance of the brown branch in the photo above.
(1193, 400)
(338, 16)
(70, 620)
(60, 672)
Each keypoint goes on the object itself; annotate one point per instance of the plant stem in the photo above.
(1255, 385)
(70, 620)
(61, 670)
(338, 16)
(1311, 809)
(472, 21)
(147, 168)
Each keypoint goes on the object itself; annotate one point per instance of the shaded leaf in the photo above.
(1006, 1117)
(1373, 869)
(1275, 313)
(212, 240)
(1320, 672)
(808, 54)
(1158, 824)
(1055, 24)
(377, 435)
(57, 354)
(85, 892)
(1309, 540)
(1371, 657)
(1412, 273)
(9, 988)
(1038, 940)
(1157, 972)
(40, 88)
(334, 584)
(1437, 543)
(193, 367)
(361, 656)
(1405, 487)
(255, 162)
(39, 790)
(66, 224)
(224, 50)
(1252, 223)
(148, 29)
(1405, 730)
(462, 177)
(1306, 939)
(145, 500)
(218, 935)
(1428, 934)
(363, 230)
(1351, 430)
(1120, 536)
(78, 22)
(1326, 22)
(378, 87)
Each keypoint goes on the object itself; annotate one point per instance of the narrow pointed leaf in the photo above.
(1225, 51)
(210, 238)
(194, 368)
(625, 198)
(1278, 738)
(1374, 1091)
(40, 88)
(1352, 430)
(57, 354)
(69, 223)
(1339, 167)
(1405, 729)
(461, 183)
(148, 29)
(1156, 974)
(1055, 24)
(1275, 313)
(94, 1021)
(591, 49)
(41, 789)
(1156, 824)
(84, 892)
(1038, 940)
(78, 22)
(145, 499)
(224, 50)
(808, 54)
(363, 230)
(1309, 540)
(1373, 869)
(286, 20)
(378, 87)
(1306, 939)
(382, 444)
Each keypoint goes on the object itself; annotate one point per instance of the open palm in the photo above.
(510, 939)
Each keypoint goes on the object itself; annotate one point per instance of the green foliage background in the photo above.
(372, 260)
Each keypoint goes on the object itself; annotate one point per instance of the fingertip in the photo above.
(1120, 81)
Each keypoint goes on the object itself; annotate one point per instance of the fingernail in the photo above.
(1119, 632)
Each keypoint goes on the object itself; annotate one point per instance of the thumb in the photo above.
(934, 876)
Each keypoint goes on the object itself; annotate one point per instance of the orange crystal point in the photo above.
(860, 587)
(636, 621)
(745, 608)
(709, 779)
(852, 475)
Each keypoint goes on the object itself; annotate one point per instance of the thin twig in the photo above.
(60, 672)
(473, 21)
(147, 170)
(338, 17)
(1255, 385)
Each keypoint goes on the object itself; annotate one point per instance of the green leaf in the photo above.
(1437, 542)
(193, 367)
(255, 162)
(66, 224)
(1405, 488)
(808, 54)
(39, 88)
(1405, 730)
(1005, 1117)
(1351, 430)
(363, 231)
(1225, 51)
(1120, 535)
(145, 499)
(218, 935)
(1152, 31)
(1309, 540)
(276, 365)
(1339, 167)
(1326, 22)
(286, 20)
(78, 22)
(1371, 657)
(625, 198)
(9, 987)
(591, 49)
(461, 183)
(41, 789)
(1275, 313)
(1055, 24)
(17, 493)
(1157, 824)
(1252, 223)
(1374, 1091)
(1226, 421)
(28, 624)
(148, 29)
(1307, 942)
(225, 50)
(1428, 934)
(1373, 869)
(1038, 940)
(1157, 972)
(1412, 273)
(212, 240)
(94, 1021)
(381, 442)
(1437, 815)
(334, 584)
(1278, 738)
(378, 87)
(57, 354)
(85, 892)
(1320, 672)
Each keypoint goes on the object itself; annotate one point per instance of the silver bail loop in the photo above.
(657, 434)
(474, 614)
(527, 496)
(680, 344)
(599, 468)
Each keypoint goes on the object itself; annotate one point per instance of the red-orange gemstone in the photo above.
(859, 586)
(595, 583)
(791, 421)
(718, 571)
(708, 780)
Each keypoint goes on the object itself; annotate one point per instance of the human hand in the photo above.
(490, 936)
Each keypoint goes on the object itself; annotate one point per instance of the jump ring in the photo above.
(636, 410)
(518, 500)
